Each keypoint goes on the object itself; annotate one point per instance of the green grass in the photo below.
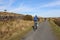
(56, 29)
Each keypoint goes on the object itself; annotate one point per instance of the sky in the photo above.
(43, 8)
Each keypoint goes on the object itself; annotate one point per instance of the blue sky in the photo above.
(44, 8)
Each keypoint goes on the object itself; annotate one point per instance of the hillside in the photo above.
(7, 16)
(10, 16)
(12, 25)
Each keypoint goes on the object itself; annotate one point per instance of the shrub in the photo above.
(28, 17)
(57, 21)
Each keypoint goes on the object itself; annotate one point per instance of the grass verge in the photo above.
(14, 30)
(56, 29)
(20, 34)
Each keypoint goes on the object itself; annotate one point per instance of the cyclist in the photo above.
(35, 22)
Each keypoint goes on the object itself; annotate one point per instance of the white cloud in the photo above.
(11, 2)
(52, 4)
(1, 1)
(22, 8)
(6, 4)
(51, 13)
(1, 7)
(25, 8)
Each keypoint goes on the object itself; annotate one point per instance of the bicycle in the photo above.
(35, 26)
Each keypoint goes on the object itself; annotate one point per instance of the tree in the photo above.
(5, 10)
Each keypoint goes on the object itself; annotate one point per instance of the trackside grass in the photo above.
(14, 30)
(56, 29)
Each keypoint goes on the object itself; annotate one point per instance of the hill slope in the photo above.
(15, 27)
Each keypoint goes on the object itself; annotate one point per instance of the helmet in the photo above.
(35, 15)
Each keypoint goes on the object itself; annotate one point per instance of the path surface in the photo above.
(44, 32)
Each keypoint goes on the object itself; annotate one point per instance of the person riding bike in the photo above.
(35, 22)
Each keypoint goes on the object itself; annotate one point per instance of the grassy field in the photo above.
(14, 30)
(56, 29)
(14, 26)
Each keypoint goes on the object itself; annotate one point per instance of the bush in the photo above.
(28, 17)
(57, 21)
